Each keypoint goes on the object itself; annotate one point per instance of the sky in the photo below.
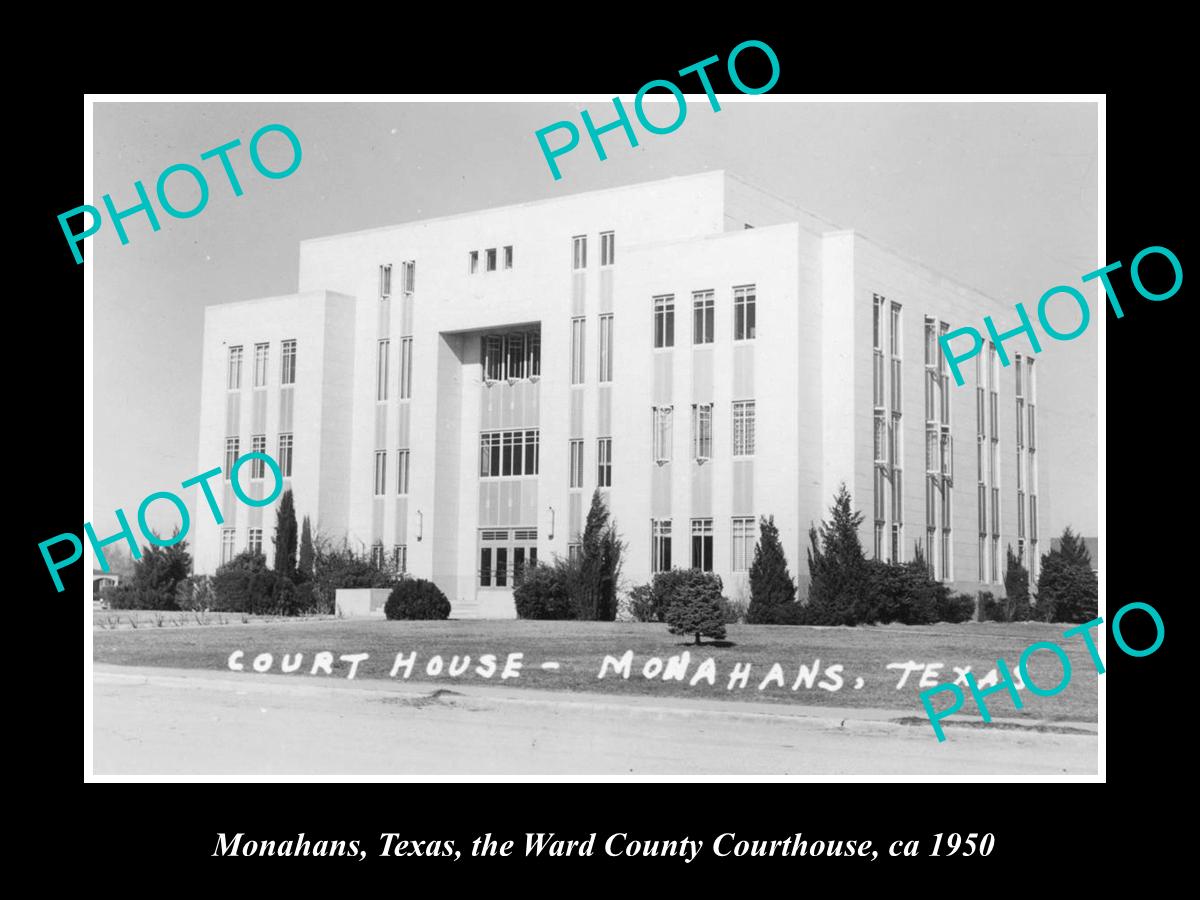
(1001, 196)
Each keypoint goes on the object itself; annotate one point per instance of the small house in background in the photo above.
(102, 580)
(1093, 548)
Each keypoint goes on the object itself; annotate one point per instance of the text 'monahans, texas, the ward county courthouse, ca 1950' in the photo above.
(448, 393)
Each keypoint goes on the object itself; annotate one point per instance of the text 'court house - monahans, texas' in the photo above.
(448, 393)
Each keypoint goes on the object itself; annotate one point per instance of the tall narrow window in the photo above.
(489, 257)
(401, 472)
(285, 455)
(380, 472)
(701, 431)
(579, 251)
(877, 367)
(744, 538)
(703, 310)
(575, 449)
(744, 327)
(897, 554)
(377, 554)
(382, 352)
(287, 371)
(493, 358)
(947, 544)
(880, 512)
(473, 262)
(234, 380)
(944, 376)
(227, 537)
(515, 355)
(508, 257)
(254, 538)
(664, 321)
(662, 434)
(743, 428)
(258, 467)
(606, 348)
(400, 558)
(533, 346)
(409, 276)
(231, 455)
(577, 348)
(405, 368)
(660, 555)
(702, 544)
(261, 354)
(604, 462)
(385, 281)
(607, 248)
(485, 566)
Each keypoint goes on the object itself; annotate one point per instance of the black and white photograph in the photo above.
(671, 436)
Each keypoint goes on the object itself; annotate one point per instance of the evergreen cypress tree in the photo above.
(1016, 589)
(840, 579)
(1067, 586)
(285, 537)
(595, 580)
(307, 554)
(771, 584)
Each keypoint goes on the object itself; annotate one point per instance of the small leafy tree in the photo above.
(245, 584)
(697, 610)
(304, 571)
(771, 584)
(541, 592)
(285, 537)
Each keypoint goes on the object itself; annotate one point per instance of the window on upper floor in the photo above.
(608, 248)
(508, 454)
(604, 462)
(577, 351)
(406, 346)
(489, 257)
(664, 320)
(258, 466)
(234, 378)
(287, 369)
(701, 431)
(385, 281)
(401, 472)
(703, 310)
(575, 463)
(382, 354)
(409, 276)
(744, 300)
(508, 257)
(380, 472)
(662, 434)
(606, 348)
(743, 427)
(285, 454)
(473, 262)
(579, 252)
(261, 354)
(231, 455)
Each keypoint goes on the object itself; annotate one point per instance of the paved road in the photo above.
(177, 722)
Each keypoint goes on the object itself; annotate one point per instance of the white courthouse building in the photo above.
(448, 393)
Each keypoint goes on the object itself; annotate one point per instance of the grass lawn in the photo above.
(581, 647)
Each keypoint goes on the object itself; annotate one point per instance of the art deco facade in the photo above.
(449, 393)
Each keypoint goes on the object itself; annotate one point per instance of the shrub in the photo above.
(341, 568)
(991, 609)
(697, 610)
(155, 579)
(641, 604)
(283, 597)
(541, 593)
(1067, 592)
(956, 608)
(734, 610)
(308, 601)
(195, 592)
(416, 598)
(244, 584)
